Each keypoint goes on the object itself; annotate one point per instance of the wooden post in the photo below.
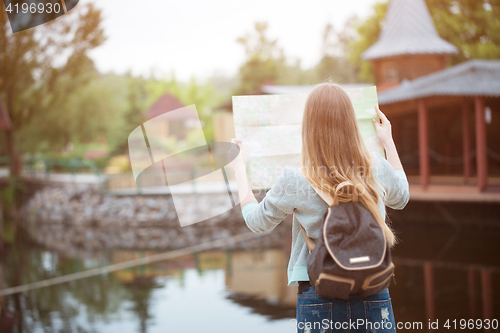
(423, 143)
(487, 293)
(466, 141)
(429, 292)
(481, 153)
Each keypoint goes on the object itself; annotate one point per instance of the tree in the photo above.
(265, 60)
(472, 26)
(367, 34)
(333, 64)
(40, 68)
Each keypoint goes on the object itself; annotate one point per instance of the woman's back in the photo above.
(333, 152)
(292, 194)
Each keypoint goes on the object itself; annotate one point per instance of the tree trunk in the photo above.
(15, 166)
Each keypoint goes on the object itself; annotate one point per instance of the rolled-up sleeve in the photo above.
(397, 190)
(274, 208)
(394, 183)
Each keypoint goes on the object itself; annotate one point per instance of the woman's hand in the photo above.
(384, 131)
(240, 162)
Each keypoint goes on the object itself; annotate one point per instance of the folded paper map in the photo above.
(269, 127)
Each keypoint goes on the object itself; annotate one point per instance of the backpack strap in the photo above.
(309, 241)
(331, 201)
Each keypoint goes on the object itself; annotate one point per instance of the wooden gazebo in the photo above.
(426, 99)
(440, 104)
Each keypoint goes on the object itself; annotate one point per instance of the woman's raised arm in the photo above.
(240, 172)
(384, 133)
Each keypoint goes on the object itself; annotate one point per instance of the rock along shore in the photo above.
(78, 220)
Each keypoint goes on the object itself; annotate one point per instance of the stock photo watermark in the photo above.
(170, 152)
(27, 14)
(449, 324)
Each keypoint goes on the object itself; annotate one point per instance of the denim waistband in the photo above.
(381, 295)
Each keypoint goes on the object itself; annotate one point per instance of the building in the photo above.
(409, 45)
(172, 124)
(437, 111)
(446, 120)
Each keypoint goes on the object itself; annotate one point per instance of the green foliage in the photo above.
(266, 63)
(93, 113)
(11, 195)
(265, 60)
(130, 98)
(7, 196)
(294, 74)
(472, 26)
(368, 32)
(40, 71)
(206, 99)
(255, 72)
(334, 66)
(9, 231)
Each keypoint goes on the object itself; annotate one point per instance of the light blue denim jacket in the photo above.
(292, 194)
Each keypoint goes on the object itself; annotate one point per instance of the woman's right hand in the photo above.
(383, 128)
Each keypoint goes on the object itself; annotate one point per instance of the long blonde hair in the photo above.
(333, 150)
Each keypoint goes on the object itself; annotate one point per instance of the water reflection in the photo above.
(258, 280)
(442, 273)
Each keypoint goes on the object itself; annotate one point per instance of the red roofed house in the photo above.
(173, 124)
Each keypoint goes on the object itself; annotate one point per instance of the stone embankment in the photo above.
(79, 219)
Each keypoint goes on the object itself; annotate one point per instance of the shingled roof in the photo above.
(408, 29)
(471, 78)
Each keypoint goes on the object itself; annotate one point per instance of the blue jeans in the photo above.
(357, 314)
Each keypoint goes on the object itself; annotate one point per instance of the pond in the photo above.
(443, 272)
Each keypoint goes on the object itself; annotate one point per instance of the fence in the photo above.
(31, 164)
(155, 183)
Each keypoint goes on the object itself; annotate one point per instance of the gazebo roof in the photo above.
(408, 29)
(471, 78)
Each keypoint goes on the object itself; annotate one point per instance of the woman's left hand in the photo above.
(383, 128)
(240, 162)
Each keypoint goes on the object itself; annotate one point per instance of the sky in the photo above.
(196, 38)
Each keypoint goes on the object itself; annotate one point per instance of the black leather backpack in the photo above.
(352, 256)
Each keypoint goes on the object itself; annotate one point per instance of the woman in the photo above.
(332, 152)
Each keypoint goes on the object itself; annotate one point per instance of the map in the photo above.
(269, 128)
